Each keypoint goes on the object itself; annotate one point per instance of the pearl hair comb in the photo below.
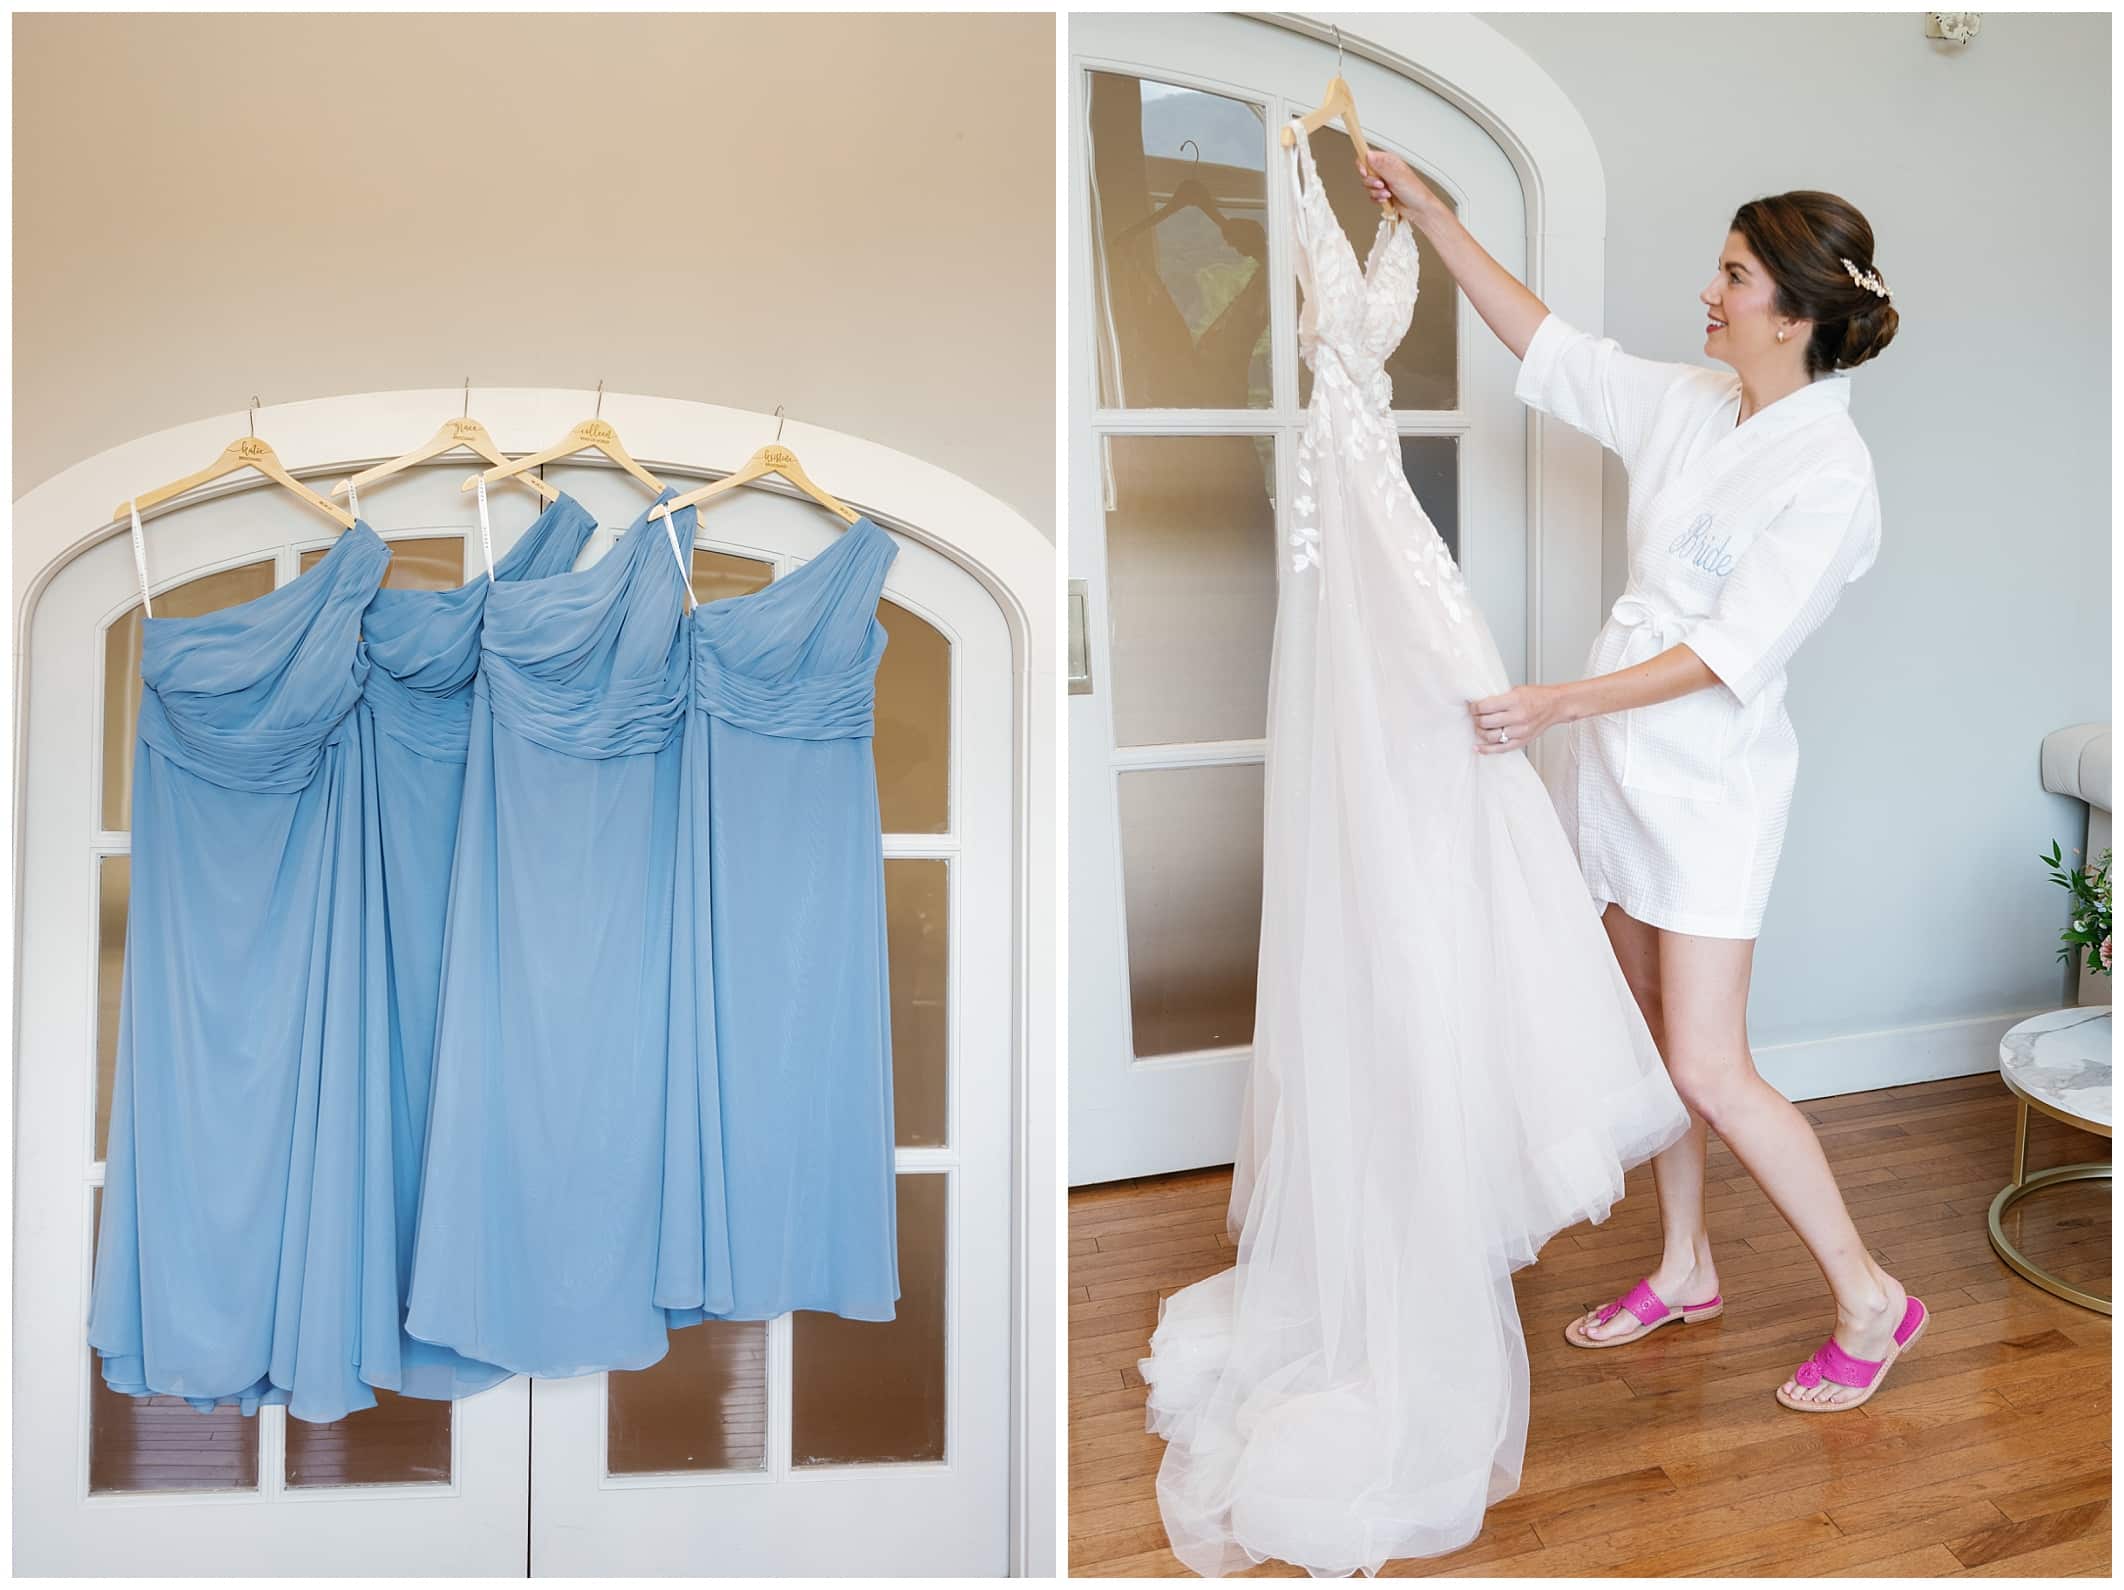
(1867, 280)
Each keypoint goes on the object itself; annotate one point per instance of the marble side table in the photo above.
(2057, 1063)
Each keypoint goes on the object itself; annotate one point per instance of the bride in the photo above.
(1450, 1065)
(1752, 505)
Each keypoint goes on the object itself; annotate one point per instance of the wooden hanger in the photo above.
(1189, 194)
(591, 433)
(464, 432)
(1337, 102)
(773, 459)
(246, 452)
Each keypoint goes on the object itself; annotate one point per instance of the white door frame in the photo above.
(69, 515)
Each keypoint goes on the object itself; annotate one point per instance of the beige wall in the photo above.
(852, 216)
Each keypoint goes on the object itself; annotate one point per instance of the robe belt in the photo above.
(1634, 612)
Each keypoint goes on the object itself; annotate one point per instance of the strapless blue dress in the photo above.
(422, 649)
(228, 1265)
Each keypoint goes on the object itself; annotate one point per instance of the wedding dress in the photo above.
(1448, 1065)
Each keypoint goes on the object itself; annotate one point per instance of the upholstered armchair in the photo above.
(2076, 763)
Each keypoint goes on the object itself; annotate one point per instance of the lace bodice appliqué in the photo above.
(1352, 318)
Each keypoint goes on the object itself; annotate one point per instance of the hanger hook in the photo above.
(1338, 49)
(1198, 149)
(778, 422)
(251, 416)
(467, 412)
(599, 412)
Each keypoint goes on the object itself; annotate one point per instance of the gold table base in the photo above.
(2023, 1186)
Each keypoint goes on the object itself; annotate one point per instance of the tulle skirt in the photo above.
(1449, 1068)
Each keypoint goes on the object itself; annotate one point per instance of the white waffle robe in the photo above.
(1741, 538)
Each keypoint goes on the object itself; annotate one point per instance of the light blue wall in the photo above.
(1909, 890)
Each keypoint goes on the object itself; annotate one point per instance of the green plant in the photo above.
(2089, 887)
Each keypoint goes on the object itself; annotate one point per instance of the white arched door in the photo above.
(1187, 397)
(806, 1444)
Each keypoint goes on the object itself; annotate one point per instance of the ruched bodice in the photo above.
(249, 696)
(589, 664)
(422, 647)
(800, 659)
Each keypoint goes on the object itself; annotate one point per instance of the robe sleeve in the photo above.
(1787, 580)
(1591, 385)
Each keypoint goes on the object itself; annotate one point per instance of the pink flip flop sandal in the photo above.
(1831, 1363)
(1650, 1313)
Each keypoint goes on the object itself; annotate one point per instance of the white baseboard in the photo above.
(1857, 1062)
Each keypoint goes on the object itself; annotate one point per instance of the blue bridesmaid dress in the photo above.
(423, 652)
(782, 1059)
(228, 1263)
(536, 1246)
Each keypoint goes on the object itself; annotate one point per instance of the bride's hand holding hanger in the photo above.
(1511, 721)
(1392, 178)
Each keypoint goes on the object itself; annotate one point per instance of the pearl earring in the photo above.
(1780, 336)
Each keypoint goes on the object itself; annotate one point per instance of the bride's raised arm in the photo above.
(1502, 299)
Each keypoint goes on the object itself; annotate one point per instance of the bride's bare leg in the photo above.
(1704, 1000)
(1685, 1273)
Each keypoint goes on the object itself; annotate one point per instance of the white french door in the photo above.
(806, 1444)
(1187, 398)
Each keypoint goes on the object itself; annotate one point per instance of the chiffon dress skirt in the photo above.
(228, 1264)
(1448, 1066)
(781, 1151)
(423, 653)
(537, 1237)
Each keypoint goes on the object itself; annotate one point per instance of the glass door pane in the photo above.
(400, 1441)
(872, 1391)
(1191, 586)
(1191, 872)
(1180, 246)
(918, 952)
(424, 563)
(703, 1408)
(912, 745)
(1432, 464)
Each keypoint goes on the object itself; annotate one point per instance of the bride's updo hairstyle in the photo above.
(1819, 251)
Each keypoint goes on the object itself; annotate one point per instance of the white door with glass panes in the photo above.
(1187, 401)
(807, 1444)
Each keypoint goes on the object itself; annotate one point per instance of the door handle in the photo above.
(1080, 680)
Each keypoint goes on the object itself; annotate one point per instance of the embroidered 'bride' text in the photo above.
(1696, 545)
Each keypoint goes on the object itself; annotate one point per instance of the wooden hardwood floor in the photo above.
(1987, 1453)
